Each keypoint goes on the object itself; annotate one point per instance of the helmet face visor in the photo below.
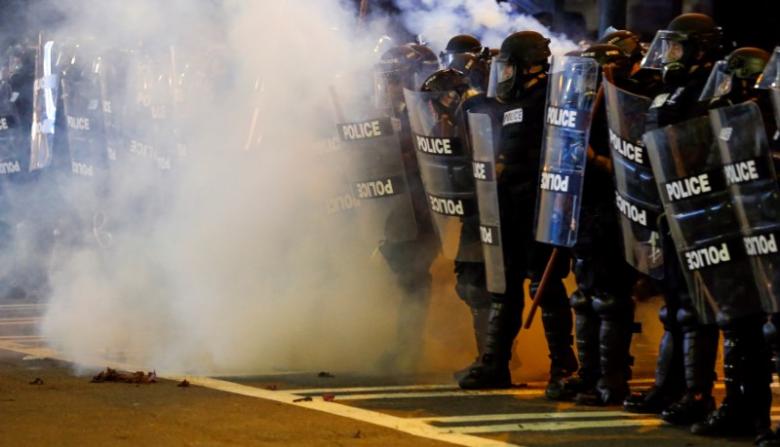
(502, 73)
(666, 48)
(770, 78)
(719, 82)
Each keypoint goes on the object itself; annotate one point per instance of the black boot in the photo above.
(617, 317)
(700, 344)
(492, 370)
(669, 372)
(480, 317)
(586, 324)
(747, 373)
(557, 322)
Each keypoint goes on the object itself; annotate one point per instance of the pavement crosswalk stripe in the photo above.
(373, 389)
(442, 387)
(529, 416)
(558, 426)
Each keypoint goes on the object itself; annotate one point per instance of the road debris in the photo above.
(37, 381)
(272, 387)
(325, 375)
(184, 384)
(328, 397)
(138, 377)
(303, 399)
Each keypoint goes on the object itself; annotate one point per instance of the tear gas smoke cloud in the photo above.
(491, 22)
(238, 270)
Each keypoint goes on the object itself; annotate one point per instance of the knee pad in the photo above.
(583, 273)
(610, 307)
(770, 333)
(667, 317)
(687, 318)
(581, 303)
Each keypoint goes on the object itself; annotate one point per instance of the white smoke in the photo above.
(438, 20)
(240, 269)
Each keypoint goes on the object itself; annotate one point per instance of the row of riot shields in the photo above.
(111, 114)
(719, 191)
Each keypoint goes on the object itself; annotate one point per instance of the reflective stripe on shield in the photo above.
(636, 195)
(570, 98)
(45, 98)
(378, 178)
(692, 185)
(750, 174)
(481, 127)
(444, 157)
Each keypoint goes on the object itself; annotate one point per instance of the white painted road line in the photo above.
(530, 416)
(409, 426)
(559, 426)
(405, 425)
(373, 389)
(451, 387)
(15, 321)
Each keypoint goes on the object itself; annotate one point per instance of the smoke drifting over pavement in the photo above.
(239, 268)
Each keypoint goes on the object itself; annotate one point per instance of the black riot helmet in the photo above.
(690, 41)
(610, 58)
(404, 66)
(453, 88)
(466, 54)
(627, 41)
(522, 61)
(462, 43)
(736, 75)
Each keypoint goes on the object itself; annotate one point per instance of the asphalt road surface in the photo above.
(302, 408)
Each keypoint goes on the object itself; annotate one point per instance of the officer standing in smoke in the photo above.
(17, 73)
(407, 66)
(509, 127)
(685, 53)
(436, 115)
(602, 303)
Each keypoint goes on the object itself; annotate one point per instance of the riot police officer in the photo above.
(602, 303)
(451, 96)
(516, 115)
(407, 66)
(746, 365)
(685, 53)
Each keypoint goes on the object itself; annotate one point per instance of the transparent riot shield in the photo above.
(484, 170)
(570, 98)
(378, 176)
(83, 107)
(750, 174)
(444, 158)
(12, 153)
(692, 185)
(636, 195)
(45, 98)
